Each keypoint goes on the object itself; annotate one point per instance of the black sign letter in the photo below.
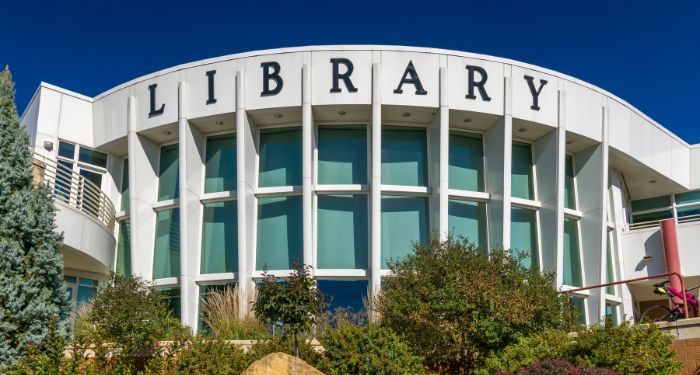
(535, 92)
(210, 85)
(345, 76)
(271, 75)
(478, 84)
(154, 111)
(414, 80)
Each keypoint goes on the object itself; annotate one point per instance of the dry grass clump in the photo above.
(221, 309)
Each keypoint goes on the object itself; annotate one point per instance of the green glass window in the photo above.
(468, 219)
(404, 221)
(280, 157)
(610, 276)
(651, 203)
(652, 216)
(279, 234)
(66, 150)
(521, 173)
(523, 236)
(404, 156)
(124, 248)
(578, 304)
(172, 300)
(169, 179)
(125, 186)
(220, 171)
(611, 313)
(342, 231)
(466, 170)
(86, 155)
(346, 294)
(166, 259)
(95, 178)
(342, 155)
(569, 190)
(572, 255)
(691, 197)
(86, 289)
(220, 238)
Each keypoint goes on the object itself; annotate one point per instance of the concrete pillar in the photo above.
(444, 165)
(375, 183)
(307, 167)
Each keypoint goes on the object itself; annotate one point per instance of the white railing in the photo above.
(72, 189)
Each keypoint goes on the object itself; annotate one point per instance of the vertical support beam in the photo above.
(307, 150)
(604, 206)
(245, 198)
(191, 155)
(376, 182)
(443, 188)
(561, 176)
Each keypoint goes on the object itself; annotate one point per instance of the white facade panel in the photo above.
(584, 111)
(322, 77)
(224, 89)
(492, 83)
(524, 100)
(289, 73)
(109, 116)
(395, 69)
(165, 99)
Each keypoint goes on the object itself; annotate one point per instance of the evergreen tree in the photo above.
(32, 292)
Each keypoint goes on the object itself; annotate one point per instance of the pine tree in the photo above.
(32, 292)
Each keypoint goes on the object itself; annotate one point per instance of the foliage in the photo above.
(203, 356)
(283, 344)
(560, 367)
(221, 317)
(294, 302)
(353, 349)
(455, 305)
(47, 359)
(627, 349)
(31, 268)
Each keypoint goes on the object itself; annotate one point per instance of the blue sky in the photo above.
(646, 52)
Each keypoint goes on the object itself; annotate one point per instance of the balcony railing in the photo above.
(72, 189)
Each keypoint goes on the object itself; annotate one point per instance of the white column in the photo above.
(375, 183)
(307, 151)
(561, 167)
(244, 193)
(191, 163)
(443, 225)
(604, 211)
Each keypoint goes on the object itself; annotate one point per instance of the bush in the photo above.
(550, 344)
(202, 356)
(220, 310)
(352, 349)
(455, 305)
(560, 367)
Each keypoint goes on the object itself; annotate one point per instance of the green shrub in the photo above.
(202, 355)
(221, 311)
(560, 367)
(454, 304)
(352, 349)
(550, 344)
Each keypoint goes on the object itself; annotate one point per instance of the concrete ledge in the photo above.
(682, 329)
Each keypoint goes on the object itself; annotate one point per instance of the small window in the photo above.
(220, 169)
(404, 156)
(342, 155)
(521, 173)
(92, 157)
(280, 157)
(169, 179)
(466, 158)
(66, 150)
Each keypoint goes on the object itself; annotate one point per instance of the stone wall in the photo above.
(687, 343)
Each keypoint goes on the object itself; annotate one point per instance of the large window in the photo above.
(166, 259)
(466, 171)
(688, 205)
(342, 240)
(404, 221)
(88, 163)
(468, 219)
(124, 248)
(652, 209)
(125, 186)
(168, 174)
(279, 232)
(80, 289)
(572, 254)
(345, 294)
(342, 155)
(280, 157)
(523, 236)
(569, 187)
(220, 238)
(521, 173)
(220, 169)
(404, 156)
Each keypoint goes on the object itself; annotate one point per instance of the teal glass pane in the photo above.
(171, 296)
(166, 259)
(689, 197)
(578, 304)
(220, 238)
(523, 236)
(86, 293)
(468, 219)
(66, 150)
(70, 279)
(93, 177)
(404, 221)
(125, 186)
(344, 294)
(651, 203)
(521, 171)
(169, 179)
(342, 232)
(466, 171)
(572, 254)
(85, 155)
(64, 176)
(611, 313)
(280, 157)
(220, 170)
(569, 190)
(610, 276)
(279, 234)
(652, 216)
(124, 248)
(404, 156)
(342, 155)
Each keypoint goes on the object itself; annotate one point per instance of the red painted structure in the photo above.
(670, 242)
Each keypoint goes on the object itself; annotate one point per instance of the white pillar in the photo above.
(561, 176)
(245, 198)
(603, 247)
(375, 183)
(443, 224)
(307, 150)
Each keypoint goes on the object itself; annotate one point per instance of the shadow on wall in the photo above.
(653, 252)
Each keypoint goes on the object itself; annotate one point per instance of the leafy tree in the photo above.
(455, 305)
(32, 292)
(294, 302)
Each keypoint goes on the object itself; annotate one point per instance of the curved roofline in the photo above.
(361, 47)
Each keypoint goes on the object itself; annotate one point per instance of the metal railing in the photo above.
(74, 190)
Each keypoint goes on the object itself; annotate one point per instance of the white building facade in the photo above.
(340, 157)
